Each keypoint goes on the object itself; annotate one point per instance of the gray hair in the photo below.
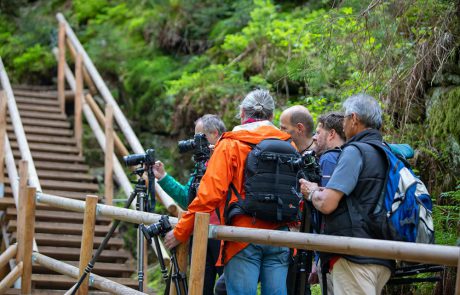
(366, 108)
(212, 122)
(258, 104)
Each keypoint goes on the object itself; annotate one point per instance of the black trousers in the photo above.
(211, 270)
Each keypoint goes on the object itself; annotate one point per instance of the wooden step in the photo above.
(74, 241)
(61, 281)
(67, 253)
(43, 122)
(57, 216)
(100, 268)
(41, 94)
(54, 175)
(44, 147)
(31, 138)
(45, 109)
(61, 166)
(60, 228)
(44, 131)
(41, 115)
(27, 100)
(62, 185)
(52, 157)
(34, 88)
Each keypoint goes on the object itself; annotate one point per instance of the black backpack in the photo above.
(272, 172)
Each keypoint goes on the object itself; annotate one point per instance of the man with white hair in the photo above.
(351, 195)
(244, 263)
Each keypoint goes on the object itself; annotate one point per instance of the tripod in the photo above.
(140, 191)
(160, 229)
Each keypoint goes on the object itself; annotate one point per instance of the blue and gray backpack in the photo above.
(404, 201)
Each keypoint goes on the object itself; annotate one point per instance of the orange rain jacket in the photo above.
(225, 166)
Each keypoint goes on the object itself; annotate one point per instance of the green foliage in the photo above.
(35, 60)
(87, 9)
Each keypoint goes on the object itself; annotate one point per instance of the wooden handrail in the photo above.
(8, 254)
(12, 276)
(18, 128)
(98, 282)
(104, 91)
(416, 252)
(122, 214)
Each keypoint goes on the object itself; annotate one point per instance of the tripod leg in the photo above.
(107, 237)
(140, 246)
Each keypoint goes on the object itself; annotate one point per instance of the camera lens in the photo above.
(134, 159)
(186, 145)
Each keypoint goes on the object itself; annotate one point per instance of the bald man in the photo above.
(298, 122)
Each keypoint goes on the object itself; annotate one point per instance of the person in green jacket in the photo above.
(213, 127)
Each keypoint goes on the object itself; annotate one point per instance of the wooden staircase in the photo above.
(61, 172)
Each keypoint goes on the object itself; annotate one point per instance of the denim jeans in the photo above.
(269, 263)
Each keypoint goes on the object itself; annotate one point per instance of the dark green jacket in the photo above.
(176, 190)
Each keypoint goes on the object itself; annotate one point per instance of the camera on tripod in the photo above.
(147, 158)
(199, 144)
(161, 228)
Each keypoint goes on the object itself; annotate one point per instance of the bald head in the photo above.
(298, 122)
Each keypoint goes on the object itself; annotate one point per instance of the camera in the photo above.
(199, 144)
(309, 167)
(157, 229)
(135, 159)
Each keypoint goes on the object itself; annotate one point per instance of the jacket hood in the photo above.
(254, 136)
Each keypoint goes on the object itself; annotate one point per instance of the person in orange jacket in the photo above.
(244, 263)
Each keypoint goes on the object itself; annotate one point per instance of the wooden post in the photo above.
(61, 66)
(182, 260)
(2, 141)
(78, 103)
(199, 247)
(29, 229)
(14, 274)
(23, 179)
(87, 241)
(108, 175)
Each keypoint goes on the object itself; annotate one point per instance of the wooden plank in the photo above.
(49, 148)
(86, 76)
(41, 115)
(56, 216)
(71, 176)
(67, 240)
(41, 93)
(69, 194)
(66, 185)
(43, 123)
(23, 179)
(45, 109)
(66, 253)
(21, 100)
(59, 228)
(11, 278)
(53, 157)
(44, 131)
(51, 139)
(61, 166)
(3, 106)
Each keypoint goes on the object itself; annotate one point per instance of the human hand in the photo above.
(313, 277)
(306, 187)
(159, 170)
(170, 240)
